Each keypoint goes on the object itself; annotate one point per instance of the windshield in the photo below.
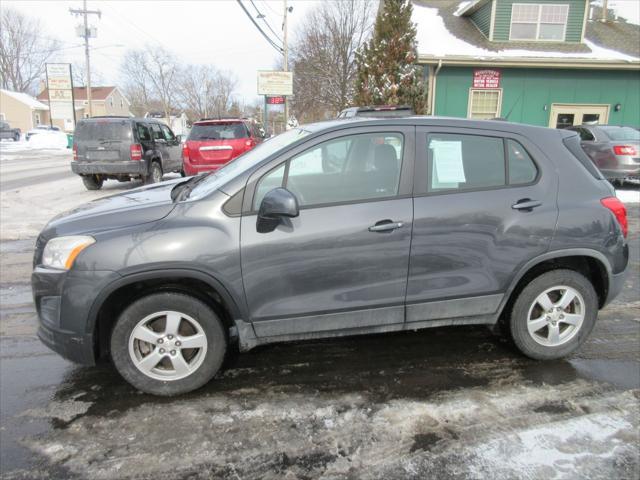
(96, 131)
(219, 131)
(621, 133)
(246, 161)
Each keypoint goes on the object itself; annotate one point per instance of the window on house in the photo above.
(484, 103)
(37, 119)
(538, 22)
(121, 103)
(111, 102)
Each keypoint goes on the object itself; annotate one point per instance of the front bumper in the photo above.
(63, 301)
(109, 168)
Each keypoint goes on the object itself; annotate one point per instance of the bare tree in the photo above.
(79, 74)
(24, 51)
(150, 77)
(226, 83)
(323, 57)
(198, 89)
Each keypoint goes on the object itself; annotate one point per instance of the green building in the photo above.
(553, 63)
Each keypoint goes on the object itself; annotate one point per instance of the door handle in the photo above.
(526, 204)
(385, 226)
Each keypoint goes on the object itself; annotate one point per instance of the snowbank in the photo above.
(50, 140)
(628, 196)
(435, 40)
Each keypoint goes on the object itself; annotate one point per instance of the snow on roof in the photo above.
(434, 40)
(28, 100)
(627, 9)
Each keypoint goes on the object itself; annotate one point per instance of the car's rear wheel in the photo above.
(16, 137)
(155, 173)
(168, 344)
(554, 314)
(92, 182)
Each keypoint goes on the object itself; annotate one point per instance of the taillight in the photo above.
(625, 150)
(185, 153)
(619, 211)
(135, 151)
(75, 152)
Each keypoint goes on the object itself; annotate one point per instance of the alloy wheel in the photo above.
(556, 316)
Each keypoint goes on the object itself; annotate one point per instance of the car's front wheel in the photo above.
(16, 137)
(92, 182)
(168, 344)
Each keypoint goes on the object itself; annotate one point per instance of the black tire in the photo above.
(520, 314)
(92, 182)
(155, 173)
(216, 342)
(182, 174)
(16, 137)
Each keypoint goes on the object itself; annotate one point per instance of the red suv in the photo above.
(213, 143)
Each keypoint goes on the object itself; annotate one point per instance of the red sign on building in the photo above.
(275, 100)
(486, 79)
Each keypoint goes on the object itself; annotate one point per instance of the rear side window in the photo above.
(103, 130)
(585, 135)
(143, 133)
(157, 133)
(573, 145)
(469, 162)
(218, 131)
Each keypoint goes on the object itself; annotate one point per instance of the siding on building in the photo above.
(482, 18)
(20, 115)
(526, 91)
(574, 22)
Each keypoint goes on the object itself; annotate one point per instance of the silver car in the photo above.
(614, 150)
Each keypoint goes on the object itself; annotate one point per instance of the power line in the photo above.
(264, 19)
(270, 8)
(271, 42)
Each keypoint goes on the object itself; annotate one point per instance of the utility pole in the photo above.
(285, 63)
(86, 34)
(605, 8)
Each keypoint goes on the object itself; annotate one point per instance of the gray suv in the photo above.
(124, 148)
(338, 228)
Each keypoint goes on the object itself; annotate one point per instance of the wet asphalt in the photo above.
(60, 420)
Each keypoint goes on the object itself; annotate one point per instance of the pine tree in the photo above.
(387, 72)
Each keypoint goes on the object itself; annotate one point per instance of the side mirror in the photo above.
(179, 138)
(276, 205)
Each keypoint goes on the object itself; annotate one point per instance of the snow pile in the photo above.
(49, 140)
(628, 196)
(435, 40)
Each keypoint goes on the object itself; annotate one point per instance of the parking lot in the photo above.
(438, 403)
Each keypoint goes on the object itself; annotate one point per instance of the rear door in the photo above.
(485, 204)
(104, 141)
(343, 262)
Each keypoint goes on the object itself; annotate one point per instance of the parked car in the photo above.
(39, 129)
(377, 111)
(124, 148)
(413, 223)
(213, 143)
(614, 150)
(7, 132)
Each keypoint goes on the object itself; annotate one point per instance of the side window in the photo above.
(463, 162)
(168, 134)
(585, 135)
(348, 169)
(157, 133)
(521, 167)
(268, 182)
(143, 132)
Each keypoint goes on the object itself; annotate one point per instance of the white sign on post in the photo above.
(59, 85)
(275, 83)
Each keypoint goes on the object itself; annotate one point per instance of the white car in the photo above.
(40, 129)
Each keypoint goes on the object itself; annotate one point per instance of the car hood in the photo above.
(134, 207)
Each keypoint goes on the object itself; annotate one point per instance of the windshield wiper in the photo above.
(182, 190)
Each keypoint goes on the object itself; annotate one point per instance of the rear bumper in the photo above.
(193, 169)
(624, 171)
(109, 168)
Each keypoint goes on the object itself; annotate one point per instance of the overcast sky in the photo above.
(204, 31)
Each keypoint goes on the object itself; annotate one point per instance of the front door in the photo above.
(343, 262)
(567, 115)
(485, 204)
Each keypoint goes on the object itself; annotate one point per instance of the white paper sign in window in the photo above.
(447, 162)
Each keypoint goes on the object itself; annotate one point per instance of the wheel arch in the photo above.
(108, 305)
(591, 263)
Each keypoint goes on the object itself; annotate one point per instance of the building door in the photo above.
(567, 115)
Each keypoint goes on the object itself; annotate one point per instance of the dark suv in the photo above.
(332, 229)
(124, 148)
(7, 132)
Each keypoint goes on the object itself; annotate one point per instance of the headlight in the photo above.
(60, 252)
